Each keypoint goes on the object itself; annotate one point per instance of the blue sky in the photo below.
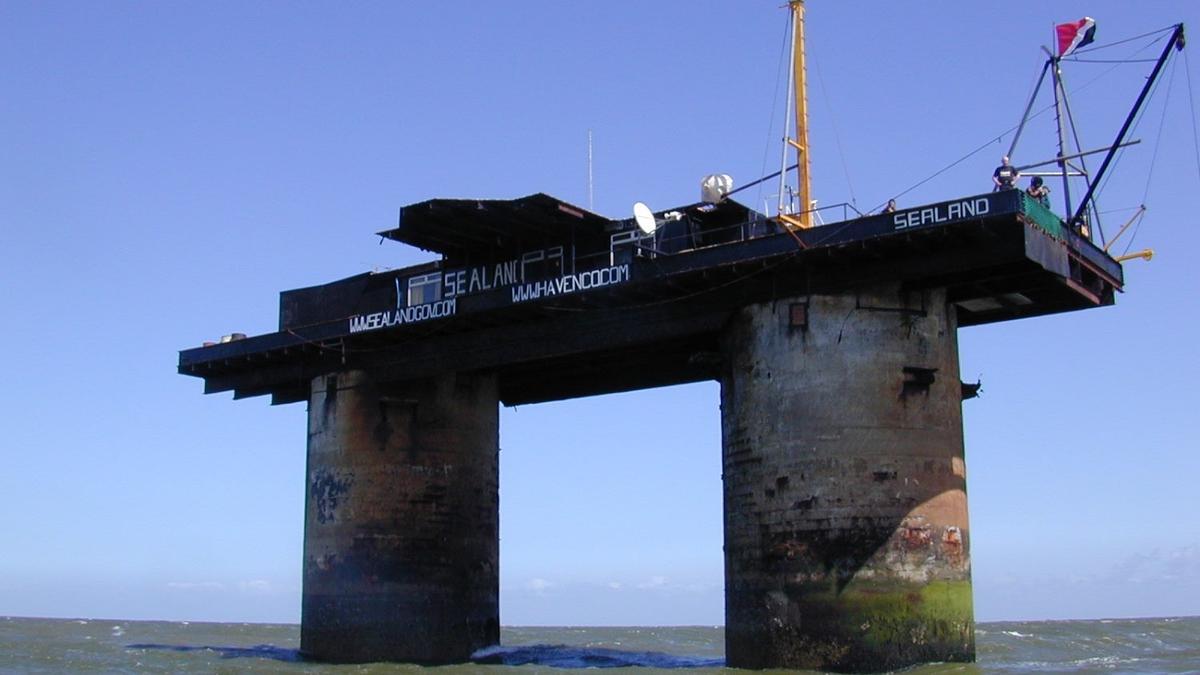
(170, 167)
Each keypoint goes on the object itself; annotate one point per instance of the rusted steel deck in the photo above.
(551, 296)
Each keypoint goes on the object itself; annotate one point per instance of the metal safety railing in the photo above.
(758, 226)
(1042, 217)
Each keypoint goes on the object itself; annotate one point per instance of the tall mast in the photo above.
(801, 93)
(802, 218)
(1059, 94)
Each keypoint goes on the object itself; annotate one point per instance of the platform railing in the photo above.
(1043, 217)
(753, 228)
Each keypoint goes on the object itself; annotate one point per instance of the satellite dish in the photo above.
(645, 218)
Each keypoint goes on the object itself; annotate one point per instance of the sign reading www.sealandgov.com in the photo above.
(414, 314)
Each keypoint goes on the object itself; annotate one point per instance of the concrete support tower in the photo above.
(846, 537)
(401, 523)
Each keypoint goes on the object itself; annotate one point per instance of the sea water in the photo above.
(114, 646)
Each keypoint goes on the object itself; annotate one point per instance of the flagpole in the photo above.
(1082, 168)
(1056, 72)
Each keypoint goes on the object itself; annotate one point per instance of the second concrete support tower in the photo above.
(846, 536)
(401, 539)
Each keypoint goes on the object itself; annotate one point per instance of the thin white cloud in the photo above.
(539, 585)
(654, 582)
(1182, 564)
(1157, 566)
(196, 585)
(257, 586)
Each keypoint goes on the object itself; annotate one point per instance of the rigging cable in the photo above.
(1034, 89)
(997, 138)
(1096, 79)
(1192, 100)
(1133, 237)
(1120, 153)
(1121, 42)
(759, 181)
(1127, 209)
(1066, 102)
(1094, 206)
(953, 164)
(1154, 153)
(1109, 60)
(1195, 135)
(774, 106)
(837, 137)
(1162, 123)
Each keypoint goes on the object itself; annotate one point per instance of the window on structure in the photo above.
(554, 261)
(533, 265)
(543, 264)
(622, 246)
(425, 288)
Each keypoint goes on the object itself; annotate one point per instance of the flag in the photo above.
(1072, 36)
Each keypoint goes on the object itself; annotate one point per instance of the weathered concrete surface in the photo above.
(401, 538)
(846, 536)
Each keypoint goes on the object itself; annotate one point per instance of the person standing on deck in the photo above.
(1005, 176)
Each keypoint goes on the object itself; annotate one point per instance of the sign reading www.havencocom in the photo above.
(571, 283)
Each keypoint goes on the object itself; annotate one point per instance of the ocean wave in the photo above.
(256, 652)
(555, 656)
(566, 656)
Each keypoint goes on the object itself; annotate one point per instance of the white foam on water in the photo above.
(487, 651)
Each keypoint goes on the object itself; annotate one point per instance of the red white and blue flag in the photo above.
(1072, 36)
